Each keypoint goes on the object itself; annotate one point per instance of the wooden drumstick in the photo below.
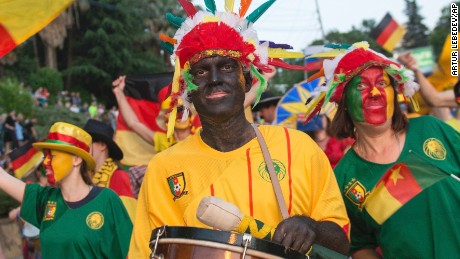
(223, 215)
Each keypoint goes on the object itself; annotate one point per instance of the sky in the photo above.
(296, 22)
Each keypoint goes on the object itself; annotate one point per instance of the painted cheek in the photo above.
(62, 164)
(354, 100)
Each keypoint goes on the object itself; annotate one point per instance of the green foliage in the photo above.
(417, 32)
(6, 204)
(13, 96)
(112, 40)
(47, 116)
(26, 65)
(289, 77)
(440, 31)
(49, 78)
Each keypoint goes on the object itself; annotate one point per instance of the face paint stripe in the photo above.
(354, 100)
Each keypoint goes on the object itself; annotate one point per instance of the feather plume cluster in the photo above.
(222, 32)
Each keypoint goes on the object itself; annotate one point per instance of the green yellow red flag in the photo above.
(20, 19)
(397, 186)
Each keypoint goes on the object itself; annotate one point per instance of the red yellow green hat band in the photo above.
(68, 138)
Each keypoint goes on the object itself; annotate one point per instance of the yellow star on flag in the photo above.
(395, 175)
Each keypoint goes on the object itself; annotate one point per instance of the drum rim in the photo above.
(225, 237)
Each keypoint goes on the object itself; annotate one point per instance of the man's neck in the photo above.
(227, 135)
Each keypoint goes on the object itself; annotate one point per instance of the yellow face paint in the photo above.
(57, 164)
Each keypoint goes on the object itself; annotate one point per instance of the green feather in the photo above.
(337, 46)
(210, 6)
(263, 84)
(174, 20)
(331, 91)
(167, 47)
(188, 79)
(254, 16)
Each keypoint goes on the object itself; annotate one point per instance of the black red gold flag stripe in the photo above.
(25, 159)
(141, 93)
(388, 33)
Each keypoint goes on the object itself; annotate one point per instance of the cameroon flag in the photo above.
(25, 159)
(141, 93)
(399, 185)
(20, 19)
(388, 33)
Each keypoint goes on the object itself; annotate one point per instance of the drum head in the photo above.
(224, 237)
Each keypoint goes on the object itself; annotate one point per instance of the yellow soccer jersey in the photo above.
(179, 177)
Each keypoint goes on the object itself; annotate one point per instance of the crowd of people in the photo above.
(370, 182)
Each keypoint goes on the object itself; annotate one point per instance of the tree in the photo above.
(13, 96)
(440, 31)
(110, 41)
(54, 34)
(416, 32)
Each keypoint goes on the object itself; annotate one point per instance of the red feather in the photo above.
(315, 111)
(189, 8)
(279, 63)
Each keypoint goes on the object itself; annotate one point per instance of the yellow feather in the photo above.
(229, 5)
(328, 54)
(312, 105)
(414, 103)
(174, 90)
(281, 53)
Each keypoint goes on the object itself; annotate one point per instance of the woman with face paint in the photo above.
(75, 218)
(400, 180)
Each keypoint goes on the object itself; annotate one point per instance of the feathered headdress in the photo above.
(350, 62)
(210, 33)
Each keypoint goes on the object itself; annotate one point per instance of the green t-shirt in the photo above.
(100, 228)
(409, 208)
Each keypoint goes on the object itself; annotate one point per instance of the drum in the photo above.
(188, 242)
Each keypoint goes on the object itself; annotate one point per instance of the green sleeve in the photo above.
(33, 204)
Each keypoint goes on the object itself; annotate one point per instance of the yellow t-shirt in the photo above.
(161, 141)
(179, 177)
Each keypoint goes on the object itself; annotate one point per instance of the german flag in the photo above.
(399, 185)
(20, 19)
(25, 159)
(141, 93)
(388, 33)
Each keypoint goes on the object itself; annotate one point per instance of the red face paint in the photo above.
(370, 97)
(48, 168)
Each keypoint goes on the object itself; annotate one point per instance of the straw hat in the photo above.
(68, 138)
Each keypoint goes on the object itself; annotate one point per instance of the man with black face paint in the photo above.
(215, 63)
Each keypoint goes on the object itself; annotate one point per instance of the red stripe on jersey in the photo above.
(212, 189)
(288, 142)
(251, 205)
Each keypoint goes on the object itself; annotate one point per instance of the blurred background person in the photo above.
(76, 219)
(318, 128)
